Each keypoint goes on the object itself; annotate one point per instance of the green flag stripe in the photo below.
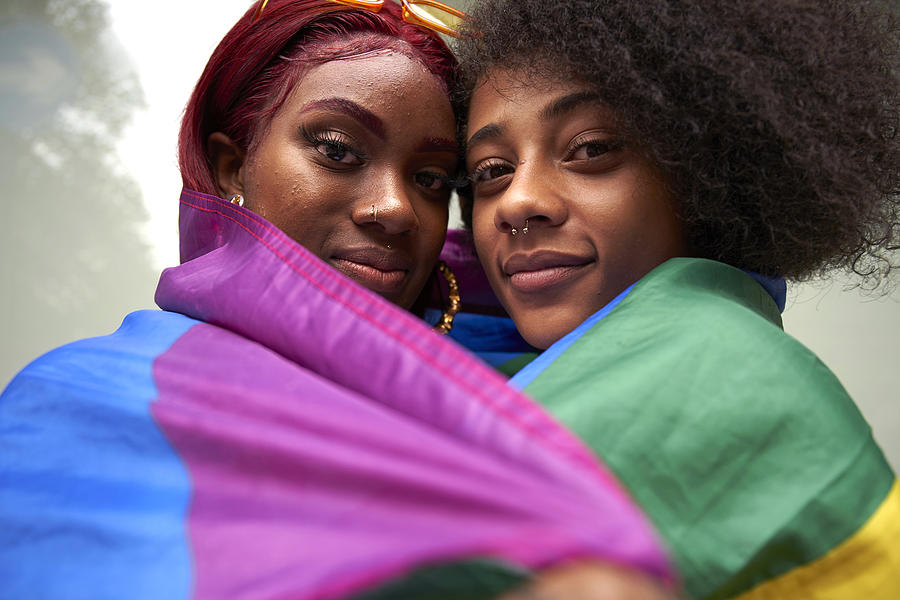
(827, 521)
(516, 364)
(740, 444)
(867, 565)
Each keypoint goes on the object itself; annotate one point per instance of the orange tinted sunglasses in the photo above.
(431, 14)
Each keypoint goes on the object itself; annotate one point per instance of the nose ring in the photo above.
(374, 214)
(515, 231)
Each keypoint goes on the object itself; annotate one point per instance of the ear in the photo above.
(227, 163)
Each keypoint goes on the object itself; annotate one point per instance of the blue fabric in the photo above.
(83, 410)
(493, 339)
(775, 286)
(537, 366)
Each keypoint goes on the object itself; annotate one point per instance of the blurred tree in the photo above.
(74, 258)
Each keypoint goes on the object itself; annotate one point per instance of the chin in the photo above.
(400, 300)
(543, 328)
(538, 334)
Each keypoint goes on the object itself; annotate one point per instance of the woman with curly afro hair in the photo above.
(645, 177)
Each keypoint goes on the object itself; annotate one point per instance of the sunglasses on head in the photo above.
(431, 14)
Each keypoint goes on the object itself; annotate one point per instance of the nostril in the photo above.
(521, 226)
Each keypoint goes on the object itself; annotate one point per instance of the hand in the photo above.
(591, 581)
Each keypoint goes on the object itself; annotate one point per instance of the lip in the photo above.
(380, 270)
(543, 270)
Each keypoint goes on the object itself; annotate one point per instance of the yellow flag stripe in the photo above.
(866, 565)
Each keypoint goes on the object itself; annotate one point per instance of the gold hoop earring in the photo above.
(374, 214)
(236, 199)
(446, 323)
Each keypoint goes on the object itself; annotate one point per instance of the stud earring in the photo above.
(236, 199)
(514, 231)
(525, 229)
(374, 214)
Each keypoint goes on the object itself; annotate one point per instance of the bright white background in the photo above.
(167, 43)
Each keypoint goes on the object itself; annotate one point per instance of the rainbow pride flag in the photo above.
(744, 449)
(277, 431)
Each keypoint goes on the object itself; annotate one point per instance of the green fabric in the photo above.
(514, 365)
(463, 580)
(743, 448)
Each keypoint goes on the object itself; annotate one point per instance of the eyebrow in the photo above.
(365, 117)
(568, 103)
(553, 110)
(487, 132)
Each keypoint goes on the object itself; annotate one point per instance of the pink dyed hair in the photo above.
(256, 65)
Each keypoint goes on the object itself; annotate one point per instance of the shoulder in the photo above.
(704, 329)
(721, 425)
(76, 426)
(700, 344)
(99, 368)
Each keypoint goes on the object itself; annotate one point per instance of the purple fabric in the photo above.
(459, 254)
(334, 440)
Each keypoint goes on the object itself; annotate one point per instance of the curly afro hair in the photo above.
(775, 120)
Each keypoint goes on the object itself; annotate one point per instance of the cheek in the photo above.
(487, 241)
(280, 184)
(661, 224)
(483, 229)
(437, 233)
(432, 229)
(292, 201)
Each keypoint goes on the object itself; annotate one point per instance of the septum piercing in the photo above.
(515, 231)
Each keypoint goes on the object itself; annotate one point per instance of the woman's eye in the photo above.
(338, 152)
(333, 146)
(586, 150)
(432, 181)
(490, 171)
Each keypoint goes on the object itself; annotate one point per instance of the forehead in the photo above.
(504, 101)
(517, 92)
(384, 81)
(511, 81)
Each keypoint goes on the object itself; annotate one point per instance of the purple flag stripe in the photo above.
(390, 320)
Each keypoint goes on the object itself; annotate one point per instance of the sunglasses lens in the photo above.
(260, 7)
(434, 17)
(373, 5)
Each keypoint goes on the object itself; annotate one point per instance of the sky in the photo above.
(169, 42)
